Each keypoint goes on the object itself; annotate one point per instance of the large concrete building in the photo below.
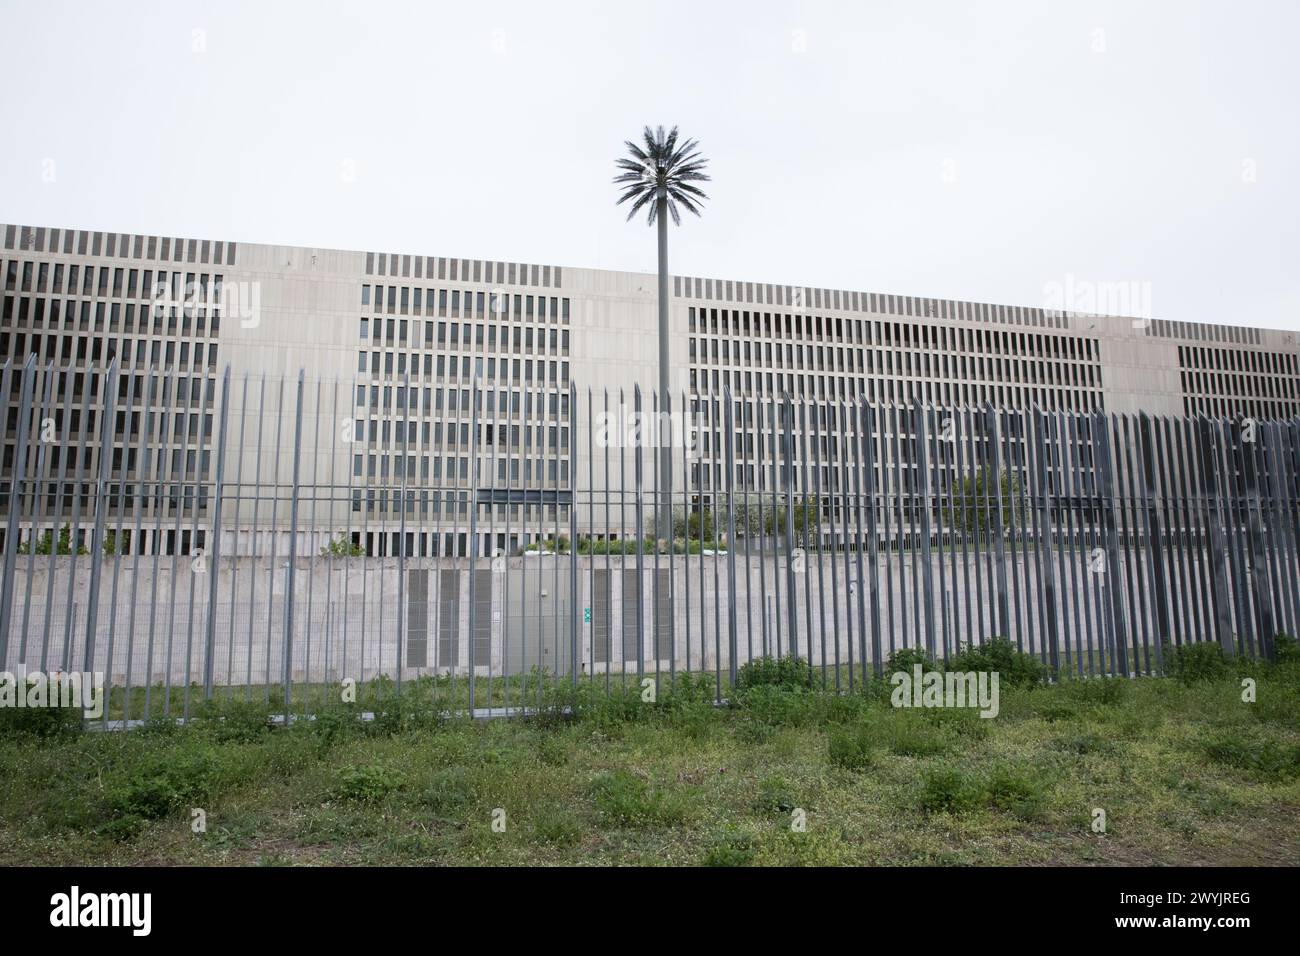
(392, 344)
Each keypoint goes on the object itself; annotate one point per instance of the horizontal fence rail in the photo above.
(480, 545)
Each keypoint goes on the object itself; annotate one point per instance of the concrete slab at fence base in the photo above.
(351, 616)
(478, 713)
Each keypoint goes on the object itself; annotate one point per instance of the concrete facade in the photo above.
(392, 343)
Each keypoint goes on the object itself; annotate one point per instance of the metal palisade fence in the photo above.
(479, 545)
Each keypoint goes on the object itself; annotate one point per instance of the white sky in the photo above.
(961, 150)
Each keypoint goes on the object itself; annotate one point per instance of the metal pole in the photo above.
(16, 479)
(214, 548)
(574, 602)
(293, 549)
(102, 494)
(729, 470)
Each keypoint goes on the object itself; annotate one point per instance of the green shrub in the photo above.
(45, 543)
(337, 722)
(909, 735)
(43, 723)
(767, 671)
(164, 783)
(557, 826)
(123, 828)
(1058, 712)
(998, 655)
(1084, 744)
(448, 790)
(236, 721)
(71, 800)
(853, 748)
(1265, 759)
(367, 784)
(623, 799)
(946, 789)
(1107, 691)
(729, 848)
(1190, 663)
(1016, 791)
(395, 714)
(754, 732)
(552, 752)
(342, 547)
(610, 712)
(1285, 649)
(906, 658)
(156, 725)
(775, 706)
(786, 706)
(957, 722)
(774, 796)
(691, 687)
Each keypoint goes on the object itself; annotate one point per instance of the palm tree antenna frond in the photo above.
(664, 167)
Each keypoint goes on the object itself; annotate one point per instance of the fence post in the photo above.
(401, 610)
(102, 498)
(1275, 524)
(16, 480)
(1105, 469)
(787, 473)
(1231, 477)
(1159, 598)
(1292, 432)
(990, 441)
(920, 439)
(1258, 563)
(293, 549)
(575, 601)
(867, 438)
(1047, 571)
(1289, 456)
(214, 547)
(639, 510)
(471, 551)
(1209, 481)
(729, 439)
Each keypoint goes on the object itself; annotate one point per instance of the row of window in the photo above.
(97, 350)
(393, 333)
(119, 245)
(452, 468)
(1216, 407)
(463, 270)
(447, 367)
(56, 278)
(905, 362)
(1239, 360)
(1224, 385)
(59, 315)
(847, 331)
(1078, 398)
(802, 298)
(457, 400)
(466, 304)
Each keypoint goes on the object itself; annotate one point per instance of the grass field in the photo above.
(1185, 771)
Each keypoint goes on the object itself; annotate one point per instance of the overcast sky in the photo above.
(981, 151)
